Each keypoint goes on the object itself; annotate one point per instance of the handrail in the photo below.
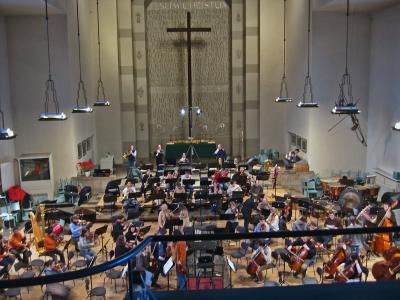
(24, 282)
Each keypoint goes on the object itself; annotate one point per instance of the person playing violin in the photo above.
(17, 245)
(118, 227)
(163, 216)
(273, 220)
(51, 241)
(122, 246)
(86, 244)
(75, 227)
(52, 268)
(132, 235)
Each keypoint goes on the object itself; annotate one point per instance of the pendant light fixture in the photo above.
(5, 133)
(396, 126)
(283, 94)
(81, 83)
(304, 103)
(345, 104)
(50, 93)
(101, 99)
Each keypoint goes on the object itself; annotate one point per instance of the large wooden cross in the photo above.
(189, 31)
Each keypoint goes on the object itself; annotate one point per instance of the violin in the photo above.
(336, 260)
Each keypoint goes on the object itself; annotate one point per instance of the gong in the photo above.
(350, 199)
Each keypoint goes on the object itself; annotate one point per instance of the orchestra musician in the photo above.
(6, 259)
(122, 246)
(266, 252)
(159, 155)
(256, 189)
(183, 159)
(290, 158)
(17, 245)
(231, 224)
(350, 270)
(169, 187)
(163, 216)
(300, 224)
(145, 186)
(158, 258)
(184, 216)
(188, 187)
(242, 178)
(75, 227)
(129, 188)
(160, 196)
(179, 189)
(273, 220)
(131, 156)
(248, 206)
(118, 227)
(220, 173)
(263, 205)
(331, 222)
(86, 243)
(233, 187)
(51, 241)
(180, 257)
(52, 268)
(132, 235)
(220, 153)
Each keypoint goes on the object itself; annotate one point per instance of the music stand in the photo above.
(227, 217)
(232, 268)
(170, 224)
(215, 200)
(152, 180)
(205, 182)
(188, 182)
(169, 264)
(99, 232)
(278, 204)
(134, 195)
(201, 196)
(144, 230)
(304, 205)
(171, 181)
(180, 198)
(237, 196)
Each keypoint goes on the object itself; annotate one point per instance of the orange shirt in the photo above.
(49, 243)
(180, 252)
(16, 240)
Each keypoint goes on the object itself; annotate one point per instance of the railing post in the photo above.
(130, 279)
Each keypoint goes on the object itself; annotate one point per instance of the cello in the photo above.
(297, 259)
(346, 274)
(388, 268)
(382, 241)
(336, 260)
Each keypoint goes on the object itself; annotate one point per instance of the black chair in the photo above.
(71, 193)
(84, 195)
(113, 187)
(109, 202)
(14, 293)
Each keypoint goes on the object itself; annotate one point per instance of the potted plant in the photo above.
(86, 167)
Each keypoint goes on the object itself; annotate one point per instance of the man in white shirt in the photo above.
(129, 188)
(233, 187)
(188, 187)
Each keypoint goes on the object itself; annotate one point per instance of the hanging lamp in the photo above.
(283, 94)
(396, 126)
(81, 84)
(50, 93)
(101, 99)
(310, 103)
(5, 133)
(345, 104)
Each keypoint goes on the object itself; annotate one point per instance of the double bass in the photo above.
(388, 268)
(382, 241)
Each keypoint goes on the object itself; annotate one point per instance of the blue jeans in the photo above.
(181, 278)
(131, 166)
(88, 254)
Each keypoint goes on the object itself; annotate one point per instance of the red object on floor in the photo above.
(201, 283)
(15, 193)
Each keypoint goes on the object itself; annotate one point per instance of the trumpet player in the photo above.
(131, 156)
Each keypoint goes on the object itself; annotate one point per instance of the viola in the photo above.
(336, 260)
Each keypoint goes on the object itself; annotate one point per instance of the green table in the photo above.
(173, 151)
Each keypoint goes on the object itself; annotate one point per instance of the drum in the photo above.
(350, 199)
(336, 190)
(267, 164)
(326, 183)
(256, 262)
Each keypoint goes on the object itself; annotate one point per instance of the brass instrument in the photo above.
(38, 229)
(126, 154)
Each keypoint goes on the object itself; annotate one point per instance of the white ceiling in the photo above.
(366, 6)
(30, 7)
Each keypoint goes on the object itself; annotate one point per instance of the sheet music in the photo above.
(168, 265)
(231, 264)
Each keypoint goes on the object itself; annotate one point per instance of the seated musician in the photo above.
(52, 268)
(353, 262)
(145, 186)
(300, 224)
(310, 246)
(248, 206)
(242, 178)
(122, 246)
(157, 201)
(356, 239)
(132, 235)
(183, 159)
(51, 241)
(57, 229)
(291, 158)
(129, 188)
(273, 220)
(264, 205)
(233, 187)
(262, 225)
(218, 186)
(179, 188)
(188, 187)
(6, 258)
(220, 153)
(332, 222)
(17, 246)
(118, 227)
(169, 187)
(231, 224)
(163, 216)
(143, 262)
(266, 252)
(256, 189)
(132, 203)
(86, 243)
(75, 227)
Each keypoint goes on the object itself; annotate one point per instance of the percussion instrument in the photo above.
(268, 164)
(325, 183)
(256, 262)
(350, 198)
(336, 189)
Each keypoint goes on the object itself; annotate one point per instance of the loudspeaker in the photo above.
(203, 283)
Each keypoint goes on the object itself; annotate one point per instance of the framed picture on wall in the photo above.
(84, 148)
(304, 145)
(298, 143)
(79, 150)
(88, 144)
(292, 139)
